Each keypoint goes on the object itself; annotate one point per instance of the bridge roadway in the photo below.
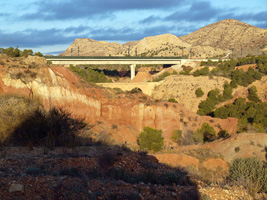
(132, 61)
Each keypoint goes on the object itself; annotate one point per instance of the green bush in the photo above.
(90, 75)
(223, 134)
(202, 72)
(15, 52)
(150, 139)
(206, 106)
(249, 172)
(252, 94)
(233, 83)
(199, 92)
(162, 76)
(177, 136)
(227, 92)
(172, 100)
(205, 134)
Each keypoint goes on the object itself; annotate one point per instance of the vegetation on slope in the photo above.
(252, 115)
(90, 75)
(15, 52)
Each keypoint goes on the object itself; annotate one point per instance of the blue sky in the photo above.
(51, 26)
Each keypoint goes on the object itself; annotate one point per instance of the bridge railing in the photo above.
(107, 57)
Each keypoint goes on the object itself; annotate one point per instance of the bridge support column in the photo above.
(132, 71)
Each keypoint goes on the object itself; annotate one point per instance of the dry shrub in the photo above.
(249, 172)
(24, 122)
(50, 128)
(13, 110)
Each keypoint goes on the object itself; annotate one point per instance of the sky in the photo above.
(50, 26)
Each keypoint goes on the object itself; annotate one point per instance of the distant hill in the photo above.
(90, 47)
(228, 34)
(218, 39)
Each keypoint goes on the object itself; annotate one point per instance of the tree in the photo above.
(206, 106)
(205, 134)
(27, 52)
(252, 94)
(227, 92)
(38, 54)
(223, 134)
(199, 92)
(150, 139)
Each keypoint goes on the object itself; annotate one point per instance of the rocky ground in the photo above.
(99, 172)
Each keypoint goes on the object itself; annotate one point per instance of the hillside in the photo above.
(182, 88)
(228, 34)
(216, 39)
(102, 164)
(90, 47)
(102, 107)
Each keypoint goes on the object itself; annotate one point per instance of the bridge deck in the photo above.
(108, 58)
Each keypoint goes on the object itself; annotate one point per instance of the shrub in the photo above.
(233, 83)
(252, 96)
(223, 134)
(227, 92)
(249, 172)
(177, 136)
(172, 100)
(162, 76)
(199, 92)
(90, 75)
(47, 128)
(206, 106)
(13, 110)
(150, 139)
(202, 72)
(205, 134)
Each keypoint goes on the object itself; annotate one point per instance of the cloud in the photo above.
(198, 11)
(150, 19)
(32, 38)
(259, 17)
(66, 9)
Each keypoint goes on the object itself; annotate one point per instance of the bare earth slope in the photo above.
(182, 88)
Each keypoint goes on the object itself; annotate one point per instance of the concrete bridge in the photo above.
(132, 61)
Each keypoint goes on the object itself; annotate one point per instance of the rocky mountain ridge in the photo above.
(218, 39)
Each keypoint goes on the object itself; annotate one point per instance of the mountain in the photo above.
(160, 45)
(90, 47)
(228, 34)
(216, 39)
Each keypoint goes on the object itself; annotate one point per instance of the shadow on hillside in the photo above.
(55, 128)
(115, 73)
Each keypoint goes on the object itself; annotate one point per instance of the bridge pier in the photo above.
(133, 66)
